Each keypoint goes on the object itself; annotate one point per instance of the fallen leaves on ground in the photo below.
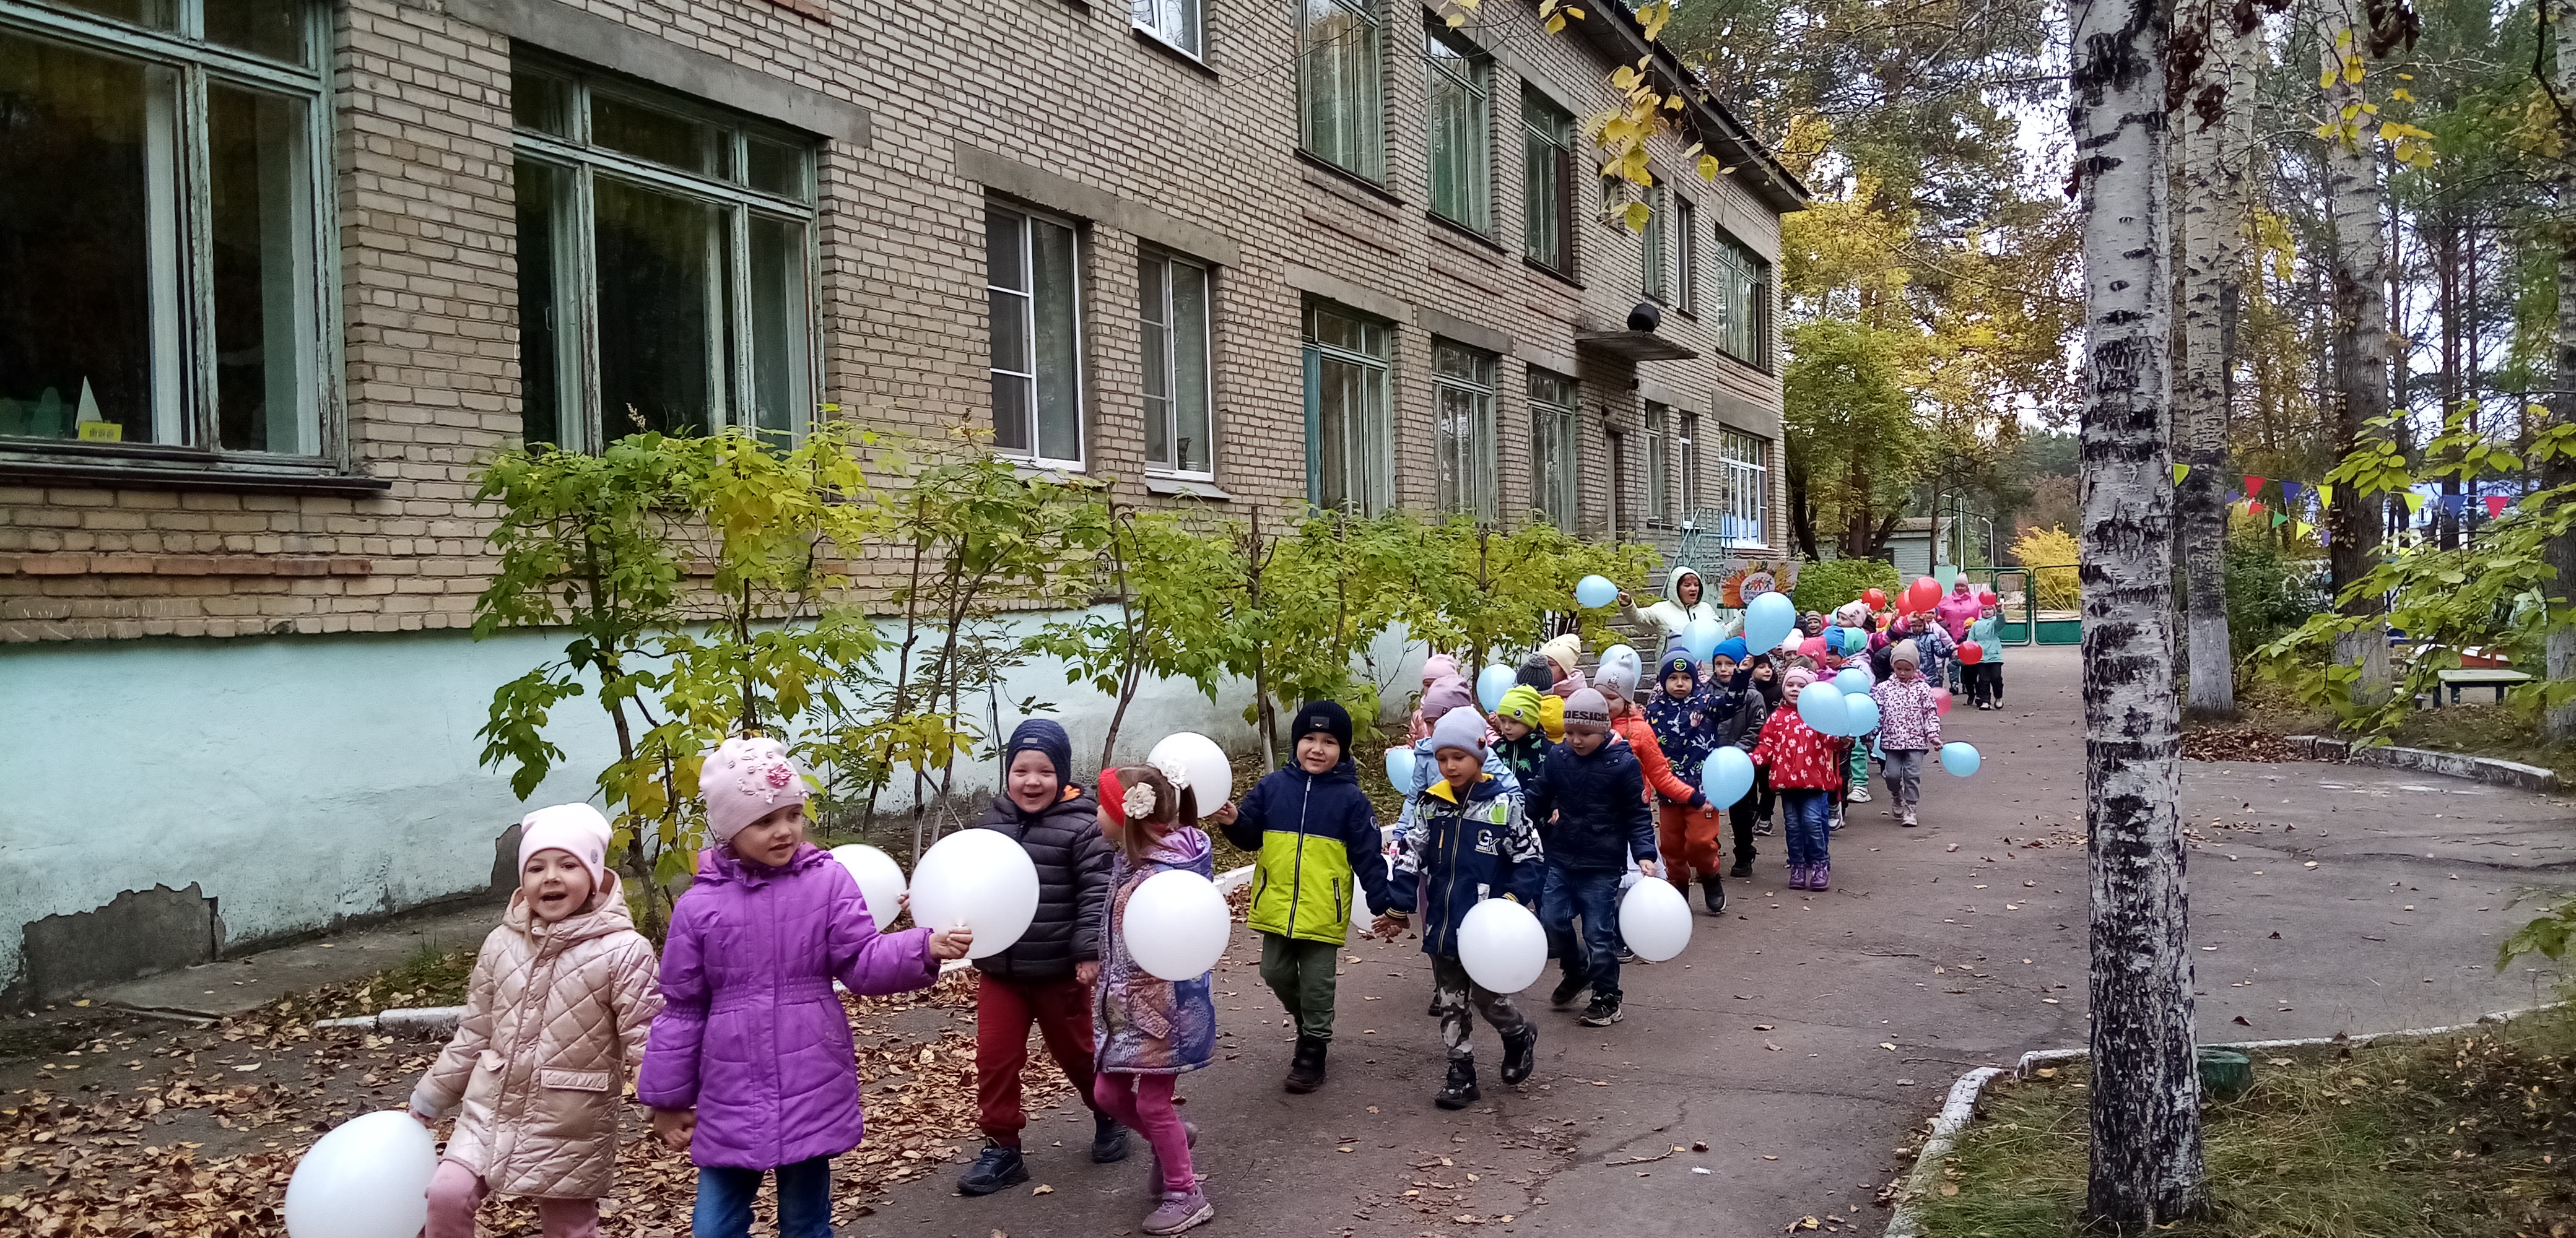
(2242, 743)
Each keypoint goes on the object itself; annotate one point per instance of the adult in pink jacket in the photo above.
(1958, 610)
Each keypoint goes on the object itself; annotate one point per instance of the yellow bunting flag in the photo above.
(2325, 496)
(2414, 503)
(2181, 471)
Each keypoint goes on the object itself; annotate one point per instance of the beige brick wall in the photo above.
(422, 156)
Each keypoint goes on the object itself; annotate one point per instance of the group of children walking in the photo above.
(1571, 789)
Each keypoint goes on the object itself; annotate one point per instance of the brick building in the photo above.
(276, 275)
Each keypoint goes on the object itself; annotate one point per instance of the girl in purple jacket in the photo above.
(750, 1066)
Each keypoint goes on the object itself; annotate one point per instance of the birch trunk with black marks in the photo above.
(2213, 144)
(2146, 1164)
(2358, 331)
(2559, 648)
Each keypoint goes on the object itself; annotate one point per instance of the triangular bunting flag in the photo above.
(2253, 484)
(2453, 503)
(2253, 508)
(2495, 506)
(2325, 537)
(2290, 493)
(2414, 502)
(2303, 528)
(2325, 495)
(2181, 471)
(2279, 519)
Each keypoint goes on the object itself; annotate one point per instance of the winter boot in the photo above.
(1797, 876)
(1712, 894)
(1743, 864)
(1603, 1012)
(1108, 1139)
(999, 1168)
(1306, 1069)
(1566, 990)
(1821, 877)
(1460, 1091)
(1520, 1056)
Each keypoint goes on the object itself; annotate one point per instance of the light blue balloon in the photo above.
(1960, 759)
(1864, 715)
(1701, 637)
(1726, 776)
(1852, 680)
(1399, 768)
(1595, 592)
(1491, 683)
(1823, 708)
(1768, 620)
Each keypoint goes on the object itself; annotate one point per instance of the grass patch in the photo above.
(2446, 1137)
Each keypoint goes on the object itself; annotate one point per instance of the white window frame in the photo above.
(1659, 470)
(1036, 456)
(732, 380)
(1372, 435)
(1463, 472)
(1686, 444)
(1162, 262)
(186, 422)
(1746, 460)
(1556, 438)
(1178, 24)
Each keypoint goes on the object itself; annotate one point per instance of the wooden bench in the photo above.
(2454, 680)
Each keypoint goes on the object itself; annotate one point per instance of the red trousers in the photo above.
(1003, 1011)
(1687, 839)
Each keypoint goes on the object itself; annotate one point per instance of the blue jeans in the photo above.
(804, 1200)
(1805, 812)
(1592, 897)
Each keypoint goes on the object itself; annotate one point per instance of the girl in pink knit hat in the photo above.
(751, 1066)
(555, 1012)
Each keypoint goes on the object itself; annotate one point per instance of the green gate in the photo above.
(2024, 622)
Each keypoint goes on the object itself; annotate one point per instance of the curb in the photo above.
(438, 1022)
(2489, 770)
(1961, 1107)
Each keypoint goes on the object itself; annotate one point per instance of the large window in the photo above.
(1650, 245)
(1623, 514)
(1349, 446)
(1746, 487)
(1547, 205)
(1037, 336)
(1462, 412)
(1177, 22)
(1686, 254)
(1555, 464)
(1341, 116)
(665, 262)
(1743, 303)
(163, 251)
(1686, 449)
(1462, 144)
(1659, 464)
(1172, 313)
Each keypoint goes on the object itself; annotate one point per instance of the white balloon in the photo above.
(1502, 945)
(1655, 920)
(880, 881)
(1176, 925)
(368, 1178)
(977, 879)
(1198, 758)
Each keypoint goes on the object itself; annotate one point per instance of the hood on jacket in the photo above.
(721, 865)
(1673, 588)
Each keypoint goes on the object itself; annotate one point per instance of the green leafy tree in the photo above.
(1169, 579)
(1855, 446)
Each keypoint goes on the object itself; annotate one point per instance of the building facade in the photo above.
(276, 276)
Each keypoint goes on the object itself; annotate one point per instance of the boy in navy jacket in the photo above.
(1589, 800)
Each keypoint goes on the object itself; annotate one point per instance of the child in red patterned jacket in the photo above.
(1806, 768)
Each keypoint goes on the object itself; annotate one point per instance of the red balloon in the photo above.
(1987, 598)
(1877, 598)
(1923, 594)
(1972, 653)
(1940, 700)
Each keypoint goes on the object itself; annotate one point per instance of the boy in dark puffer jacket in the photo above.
(1046, 976)
(1316, 837)
(1588, 800)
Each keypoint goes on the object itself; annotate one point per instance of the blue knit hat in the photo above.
(1732, 649)
(1677, 662)
(1043, 736)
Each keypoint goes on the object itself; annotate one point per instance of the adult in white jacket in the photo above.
(1685, 600)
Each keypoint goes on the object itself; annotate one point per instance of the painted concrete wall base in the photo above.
(1961, 1107)
(2488, 770)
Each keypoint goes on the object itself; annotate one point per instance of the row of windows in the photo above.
(1350, 444)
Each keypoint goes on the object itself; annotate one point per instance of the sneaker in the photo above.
(1460, 1089)
(1860, 795)
(1180, 1210)
(1762, 828)
(1712, 894)
(1603, 1012)
(1520, 1056)
(1108, 1140)
(999, 1168)
(1627, 957)
(1306, 1069)
(1834, 826)
(1566, 990)
(1908, 819)
(1743, 864)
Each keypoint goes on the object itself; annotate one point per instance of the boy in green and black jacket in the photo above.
(1317, 839)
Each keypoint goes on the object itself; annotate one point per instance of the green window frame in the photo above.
(165, 208)
(1686, 254)
(1547, 183)
(1659, 465)
(1650, 246)
(666, 262)
(1350, 404)
(1459, 82)
(1743, 311)
(1341, 105)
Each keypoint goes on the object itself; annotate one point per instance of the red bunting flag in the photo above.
(2495, 506)
(2253, 484)
(2254, 508)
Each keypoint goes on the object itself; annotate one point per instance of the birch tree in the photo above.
(2213, 144)
(2560, 646)
(2146, 1166)
(2358, 319)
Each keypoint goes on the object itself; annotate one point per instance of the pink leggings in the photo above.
(455, 1192)
(1144, 1104)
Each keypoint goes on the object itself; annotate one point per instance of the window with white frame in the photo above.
(1686, 254)
(1172, 313)
(1462, 409)
(165, 245)
(1037, 336)
(1349, 411)
(1177, 22)
(665, 262)
(1659, 483)
(1744, 461)
(1686, 450)
(1743, 303)
(1462, 143)
(1555, 463)
(1340, 108)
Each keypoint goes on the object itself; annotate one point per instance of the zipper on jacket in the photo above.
(1297, 867)
(1449, 889)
